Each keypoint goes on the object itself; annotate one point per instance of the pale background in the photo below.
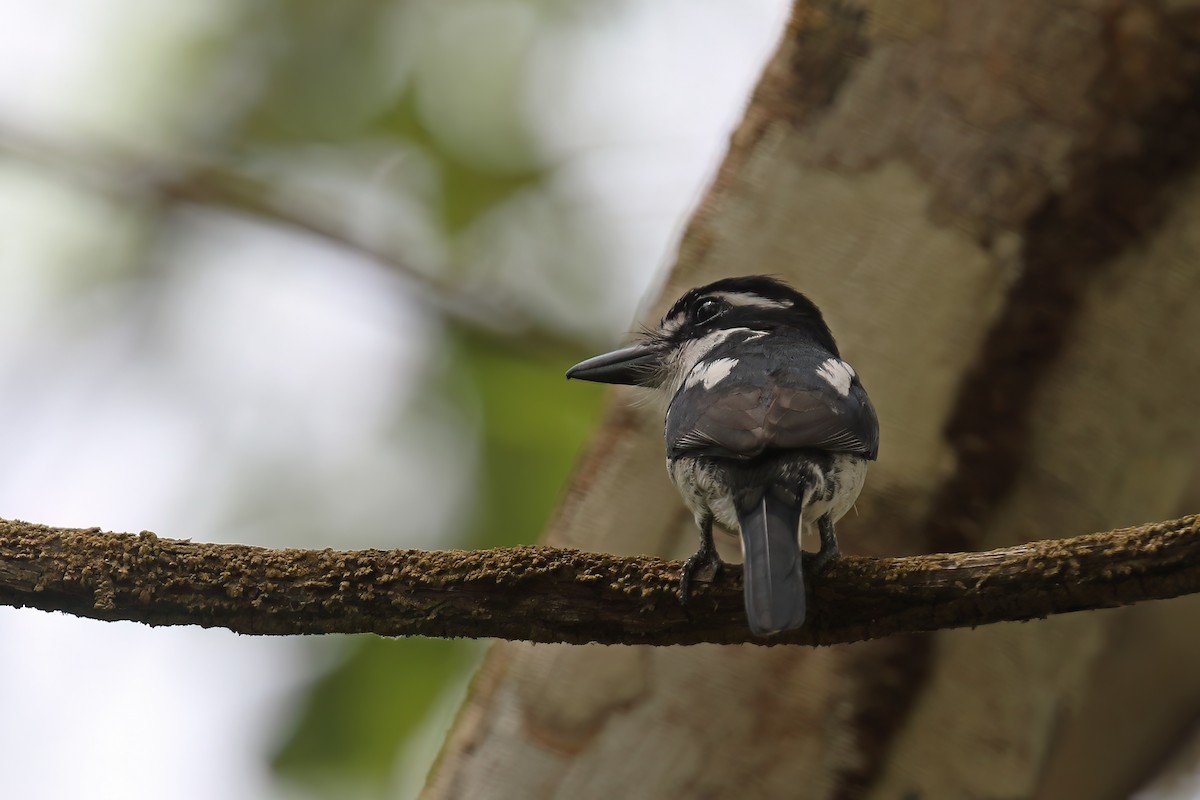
(180, 369)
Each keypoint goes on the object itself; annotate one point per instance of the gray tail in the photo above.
(774, 581)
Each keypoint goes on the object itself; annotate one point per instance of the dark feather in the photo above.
(761, 405)
(774, 580)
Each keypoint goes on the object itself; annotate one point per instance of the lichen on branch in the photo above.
(545, 594)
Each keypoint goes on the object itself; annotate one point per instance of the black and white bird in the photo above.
(768, 430)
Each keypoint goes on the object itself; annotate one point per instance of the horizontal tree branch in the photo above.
(545, 594)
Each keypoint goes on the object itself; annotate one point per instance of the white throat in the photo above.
(682, 363)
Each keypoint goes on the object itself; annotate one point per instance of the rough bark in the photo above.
(995, 204)
(542, 594)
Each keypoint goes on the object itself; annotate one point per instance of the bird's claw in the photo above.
(829, 547)
(706, 556)
(822, 559)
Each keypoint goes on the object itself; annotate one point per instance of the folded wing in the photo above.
(767, 403)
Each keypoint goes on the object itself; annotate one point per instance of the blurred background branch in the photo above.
(129, 177)
(543, 594)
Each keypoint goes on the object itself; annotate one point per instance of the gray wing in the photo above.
(754, 409)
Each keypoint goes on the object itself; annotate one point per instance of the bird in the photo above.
(768, 431)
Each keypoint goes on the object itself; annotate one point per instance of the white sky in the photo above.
(638, 105)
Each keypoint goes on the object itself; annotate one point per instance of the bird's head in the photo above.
(752, 307)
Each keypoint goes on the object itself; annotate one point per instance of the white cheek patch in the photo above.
(698, 349)
(691, 354)
(838, 374)
(710, 373)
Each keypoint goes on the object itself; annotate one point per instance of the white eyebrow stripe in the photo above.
(710, 373)
(838, 374)
(750, 299)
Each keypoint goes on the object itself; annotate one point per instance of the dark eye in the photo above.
(707, 309)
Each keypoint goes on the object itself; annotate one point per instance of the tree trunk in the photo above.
(997, 206)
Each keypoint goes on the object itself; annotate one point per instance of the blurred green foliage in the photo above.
(446, 79)
(533, 425)
(342, 73)
(467, 191)
(358, 716)
(331, 67)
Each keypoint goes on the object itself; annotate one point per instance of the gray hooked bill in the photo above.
(638, 365)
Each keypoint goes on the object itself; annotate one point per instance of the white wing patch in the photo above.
(838, 374)
(710, 373)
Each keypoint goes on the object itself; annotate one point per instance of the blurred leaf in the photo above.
(467, 191)
(331, 80)
(356, 716)
(335, 66)
(342, 72)
(533, 424)
(471, 80)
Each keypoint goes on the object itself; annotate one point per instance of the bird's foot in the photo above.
(829, 547)
(823, 558)
(704, 558)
